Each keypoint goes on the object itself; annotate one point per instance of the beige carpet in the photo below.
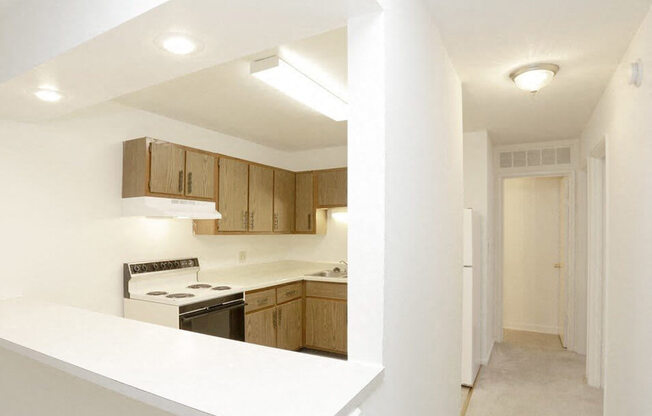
(531, 374)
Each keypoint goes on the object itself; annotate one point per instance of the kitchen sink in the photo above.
(330, 273)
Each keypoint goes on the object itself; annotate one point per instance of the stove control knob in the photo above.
(155, 266)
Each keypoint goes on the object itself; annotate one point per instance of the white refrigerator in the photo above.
(471, 297)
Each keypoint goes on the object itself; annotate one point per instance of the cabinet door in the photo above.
(326, 324)
(166, 172)
(200, 175)
(283, 201)
(290, 325)
(261, 199)
(332, 188)
(260, 327)
(232, 198)
(305, 210)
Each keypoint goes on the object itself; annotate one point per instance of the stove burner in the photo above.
(180, 295)
(157, 293)
(199, 286)
(222, 288)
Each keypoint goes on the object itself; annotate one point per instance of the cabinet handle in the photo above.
(189, 182)
(291, 293)
(252, 220)
(275, 221)
(280, 315)
(274, 319)
(244, 220)
(180, 181)
(309, 221)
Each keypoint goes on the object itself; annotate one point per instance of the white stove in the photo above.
(169, 293)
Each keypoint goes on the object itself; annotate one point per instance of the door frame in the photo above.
(597, 209)
(570, 250)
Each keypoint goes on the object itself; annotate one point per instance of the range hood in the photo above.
(148, 206)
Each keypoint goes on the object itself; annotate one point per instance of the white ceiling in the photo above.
(127, 59)
(228, 99)
(487, 40)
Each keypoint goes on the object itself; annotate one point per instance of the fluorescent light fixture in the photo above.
(534, 77)
(285, 78)
(340, 216)
(178, 43)
(49, 95)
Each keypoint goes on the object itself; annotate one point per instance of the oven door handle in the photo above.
(205, 311)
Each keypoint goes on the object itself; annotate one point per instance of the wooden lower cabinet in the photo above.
(326, 324)
(260, 327)
(289, 335)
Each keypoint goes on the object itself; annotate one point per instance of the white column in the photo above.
(405, 204)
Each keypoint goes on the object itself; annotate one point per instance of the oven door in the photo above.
(224, 321)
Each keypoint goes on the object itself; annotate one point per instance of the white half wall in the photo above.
(61, 211)
(408, 163)
(622, 116)
(479, 195)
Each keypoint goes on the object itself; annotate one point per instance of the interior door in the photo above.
(166, 174)
(233, 194)
(200, 175)
(531, 279)
(261, 198)
(284, 187)
(563, 261)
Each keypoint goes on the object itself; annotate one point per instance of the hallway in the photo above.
(531, 374)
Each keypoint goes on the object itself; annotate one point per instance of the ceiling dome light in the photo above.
(48, 94)
(178, 44)
(534, 77)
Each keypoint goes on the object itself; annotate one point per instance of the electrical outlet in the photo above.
(242, 256)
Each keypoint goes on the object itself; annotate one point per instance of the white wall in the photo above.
(61, 217)
(413, 109)
(478, 194)
(623, 117)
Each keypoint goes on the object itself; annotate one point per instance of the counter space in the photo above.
(257, 276)
(178, 371)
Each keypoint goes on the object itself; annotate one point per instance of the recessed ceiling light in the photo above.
(48, 94)
(178, 43)
(285, 78)
(534, 77)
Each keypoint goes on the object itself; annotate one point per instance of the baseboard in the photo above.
(543, 329)
(485, 359)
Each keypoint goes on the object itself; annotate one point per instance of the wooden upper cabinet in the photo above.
(166, 175)
(200, 175)
(304, 208)
(261, 198)
(284, 187)
(233, 197)
(331, 188)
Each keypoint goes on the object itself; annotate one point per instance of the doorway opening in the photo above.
(535, 255)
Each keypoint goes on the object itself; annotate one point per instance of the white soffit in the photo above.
(127, 59)
(487, 40)
(228, 99)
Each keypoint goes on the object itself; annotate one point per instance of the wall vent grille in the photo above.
(535, 157)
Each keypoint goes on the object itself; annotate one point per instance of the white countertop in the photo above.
(257, 276)
(178, 371)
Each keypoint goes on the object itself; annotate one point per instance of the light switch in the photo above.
(242, 257)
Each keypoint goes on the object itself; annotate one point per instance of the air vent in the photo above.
(534, 157)
(519, 159)
(563, 155)
(506, 159)
(548, 156)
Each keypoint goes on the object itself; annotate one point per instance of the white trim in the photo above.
(487, 358)
(596, 253)
(570, 255)
(542, 329)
